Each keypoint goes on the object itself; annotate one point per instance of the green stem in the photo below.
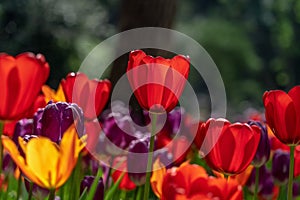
(1, 146)
(139, 193)
(226, 176)
(256, 182)
(52, 194)
(291, 173)
(150, 157)
(62, 192)
(19, 186)
(30, 191)
(109, 172)
(123, 194)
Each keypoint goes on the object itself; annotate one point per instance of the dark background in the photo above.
(255, 43)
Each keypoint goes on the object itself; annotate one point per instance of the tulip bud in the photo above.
(266, 183)
(263, 150)
(164, 156)
(37, 124)
(116, 135)
(280, 167)
(37, 191)
(87, 183)
(137, 160)
(23, 127)
(296, 189)
(57, 117)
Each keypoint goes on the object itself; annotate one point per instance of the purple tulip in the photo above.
(164, 156)
(57, 118)
(266, 182)
(170, 123)
(37, 124)
(137, 160)
(87, 183)
(280, 167)
(118, 132)
(267, 190)
(263, 151)
(23, 127)
(37, 191)
(8, 165)
(296, 189)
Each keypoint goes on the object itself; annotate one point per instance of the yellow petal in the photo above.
(50, 94)
(70, 148)
(60, 95)
(42, 156)
(12, 149)
(157, 178)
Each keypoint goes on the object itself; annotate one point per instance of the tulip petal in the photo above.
(44, 161)
(156, 82)
(157, 177)
(294, 93)
(281, 115)
(70, 148)
(22, 78)
(12, 149)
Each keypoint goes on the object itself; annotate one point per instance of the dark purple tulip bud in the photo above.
(164, 156)
(280, 167)
(8, 165)
(174, 119)
(267, 190)
(37, 191)
(296, 189)
(263, 150)
(37, 123)
(87, 183)
(266, 183)
(117, 134)
(169, 124)
(57, 118)
(137, 160)
(23, 127)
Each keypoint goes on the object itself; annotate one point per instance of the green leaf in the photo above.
(84, 194)
(93, 188)
(113, 189)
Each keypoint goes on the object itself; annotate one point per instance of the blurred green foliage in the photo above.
(64, 31)
(253, 42)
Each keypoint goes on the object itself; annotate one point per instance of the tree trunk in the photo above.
(142, 13)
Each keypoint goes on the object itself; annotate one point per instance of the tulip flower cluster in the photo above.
(73, 143)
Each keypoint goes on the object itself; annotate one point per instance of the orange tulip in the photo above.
(44, 162)
(191, 182)
(21, 79)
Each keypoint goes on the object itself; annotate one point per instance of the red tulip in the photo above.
(297, 162)
(90, 95)
(282, 112)
(230, 148)
(21, 80)
(157, 82)
(121, 167)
